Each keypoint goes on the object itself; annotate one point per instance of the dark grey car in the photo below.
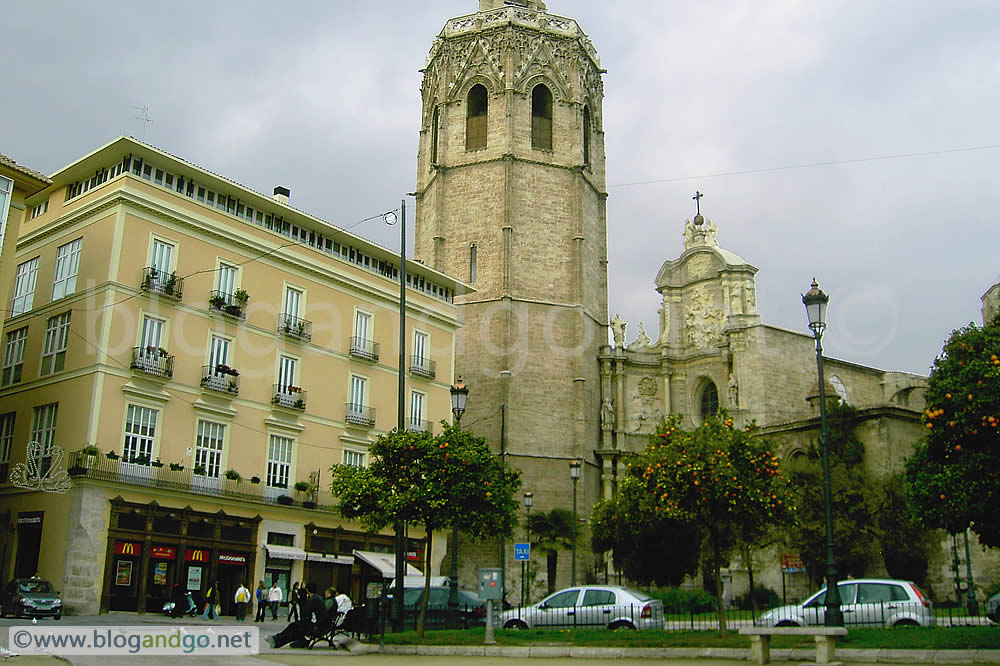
(30, 597)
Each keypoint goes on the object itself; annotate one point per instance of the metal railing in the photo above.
(360, 415)
(289, 396)
(365, 349)
(418, 425)
(153, 361)
(220, 378)
(294, 327)
(227, 304)
(423, 367)
(160, 282)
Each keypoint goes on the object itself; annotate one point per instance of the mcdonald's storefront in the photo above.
(152, 548)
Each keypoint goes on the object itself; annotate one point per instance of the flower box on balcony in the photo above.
(176, 467)
(111, 455)
(284, 499)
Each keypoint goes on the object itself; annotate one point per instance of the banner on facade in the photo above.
(164, 552)
(127, 548)
(233, 558)
(30, 517)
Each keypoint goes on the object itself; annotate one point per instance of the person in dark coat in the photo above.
(293, 603)
(313, 617)
(180, 601)
(261, 602)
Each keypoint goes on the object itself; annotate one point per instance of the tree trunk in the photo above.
(717, 572)
(427, 586)
(551, 559)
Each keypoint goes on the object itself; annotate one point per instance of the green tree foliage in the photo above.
(550, 533)
(854, 528)
(906, 545)
(708, 483)
(953, 478)
(452, 480)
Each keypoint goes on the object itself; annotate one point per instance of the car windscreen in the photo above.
(36, 587)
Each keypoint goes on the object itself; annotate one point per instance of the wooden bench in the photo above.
(760, 641)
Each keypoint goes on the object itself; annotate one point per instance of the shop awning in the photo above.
(285, 552)
(329, 559)
(385, 563)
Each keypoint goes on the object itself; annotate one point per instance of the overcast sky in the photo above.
(729, 98)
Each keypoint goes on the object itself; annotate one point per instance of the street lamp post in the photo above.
(816, 301)
(529, 498)
(574, 473)
(459, 394)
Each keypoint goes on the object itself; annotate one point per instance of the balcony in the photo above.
(360, 415)
(293, 327)
(365, 349)
(289, 396)
(160, 282)
(422, 366)
(220, 378)
(153, 361)
(232, 305)
(176, 477)
(417, 425)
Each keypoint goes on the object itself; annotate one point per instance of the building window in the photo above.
(67, 267)
(417, 422)
(279, 461)
(586, 136)
(435, 121)
(709, 401)
(473, 261)
(359, 386)
(161, 262)
(24, 286)
(838, 385)
(354, 458)
(43, 433)
(420, 349)
(208, 449)
(6, 443)
(6, 187)
(13, 356)
(541, 117)
(226, 283)
(477, 112)
(40, 209)
(54, 346)
(140, 433)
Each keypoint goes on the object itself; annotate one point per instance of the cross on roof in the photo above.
(697, 199)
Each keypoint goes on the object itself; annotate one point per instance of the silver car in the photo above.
(865, 602)
(588, 607)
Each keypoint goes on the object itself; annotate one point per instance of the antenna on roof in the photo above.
(144, 118)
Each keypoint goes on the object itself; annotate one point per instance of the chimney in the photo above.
(281, 194)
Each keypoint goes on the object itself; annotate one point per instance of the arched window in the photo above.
(477, 111)
(709, 401)
(586, 135)
(434, 137)
(473, 261)
(541, 117)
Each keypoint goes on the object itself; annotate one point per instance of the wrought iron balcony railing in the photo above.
(365, 349)
(418, 425)
(220, 378)
(289, 396)
(360, 415)
(160, 282)
(232, 305)
(423, 367)
(295, 327)
(153, 361)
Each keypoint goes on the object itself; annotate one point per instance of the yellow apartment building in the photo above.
(203, 354)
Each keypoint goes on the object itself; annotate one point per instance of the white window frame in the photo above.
(55, 343)
(24, 286)
(43, 431)
(40, 209)
(358, 393)
(355, 458)
(139, 434)
(6, 187)
(227, 281)
(363, 325)
(13, 356)
(7, 422)
(418, 408)
(293, 305)
(279, 464)
(67, 268)
(161, 257)
(210, 444)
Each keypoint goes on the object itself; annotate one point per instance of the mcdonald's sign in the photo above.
(163, 552)
(196, 555)
(127, 549)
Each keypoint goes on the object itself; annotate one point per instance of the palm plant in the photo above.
(550, 533)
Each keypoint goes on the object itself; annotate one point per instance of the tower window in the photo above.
(475, 120)
(709, 401)
(541, 117)
(586, 135)
(434, 137)
(472, 263)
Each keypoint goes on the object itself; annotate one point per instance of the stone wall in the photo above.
(87, 541)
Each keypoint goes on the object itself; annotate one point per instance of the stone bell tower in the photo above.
(511, 198)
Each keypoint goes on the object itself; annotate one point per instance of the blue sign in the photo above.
(522, 552)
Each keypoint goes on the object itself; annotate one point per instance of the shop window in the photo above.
(132, 521)
(237, 533)
(166, 525)
(200, 530)
(280, 539)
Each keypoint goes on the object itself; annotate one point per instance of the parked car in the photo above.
(872, 602)
(30, 597)
(471, 609)
(993, 608)
(588, 606)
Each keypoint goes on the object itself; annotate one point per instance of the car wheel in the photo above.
(517, 625)
(621, 626)
(905, 623)
(57, 617)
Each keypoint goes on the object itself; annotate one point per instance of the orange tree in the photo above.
(953, 478)
(452, 480)
(700, 487)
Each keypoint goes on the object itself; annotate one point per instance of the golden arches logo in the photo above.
(197, 556)
(128, 549)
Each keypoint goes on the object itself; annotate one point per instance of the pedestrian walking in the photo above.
(261, 602)
(242, 598)
(210, 599)
(293, 603)
(274, 596)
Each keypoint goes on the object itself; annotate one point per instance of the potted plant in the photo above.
(141, 459)
(302, 486)
(156, 463)
(309, 504)
(300, 328)
(168, 288)
(233, 309)
(148, 280)
(300, 403)
(176, 467)
(200, 470)
(240, 297)
(217, 301)
(254, 479)
(162, 352)
(111, 455)
(233, 475)
(284, 499)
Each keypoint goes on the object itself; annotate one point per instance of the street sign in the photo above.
(522, 552)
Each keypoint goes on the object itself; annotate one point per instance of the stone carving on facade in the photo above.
(703, 322)
(735, 302)
(475, 57)
(608, 415)
(664, 324)
(700, 233)
(641, 342)
(646, 412)
(618, 330)
(734, 391)
(749, 296)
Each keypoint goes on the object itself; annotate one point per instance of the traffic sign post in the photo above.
(522, 554)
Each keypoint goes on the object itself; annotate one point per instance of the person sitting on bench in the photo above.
(313, 617)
